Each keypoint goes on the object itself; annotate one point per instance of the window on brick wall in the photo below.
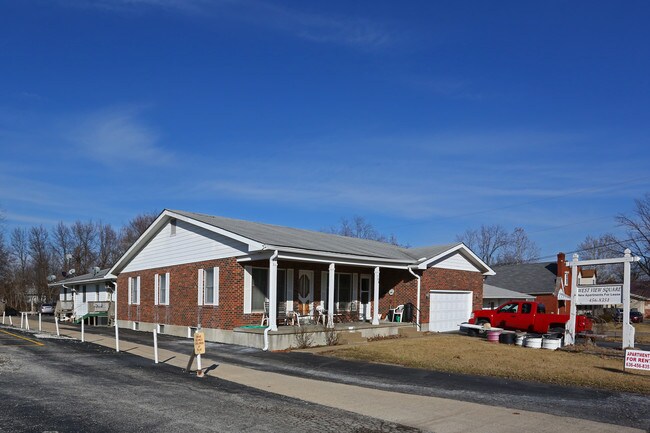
(161, 289)
(259, 288)
(134, 290)
(208, 286)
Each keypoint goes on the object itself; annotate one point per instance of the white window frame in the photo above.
(134, 284)
(157, 288)
(202, 287)
(248, 288)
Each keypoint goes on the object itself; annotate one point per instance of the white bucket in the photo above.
(533, 343)
(520, 339)
(551, 343)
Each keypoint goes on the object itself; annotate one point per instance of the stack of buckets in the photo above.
(523, 339)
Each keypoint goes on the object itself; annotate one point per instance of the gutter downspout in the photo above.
(268, 328)
(417, 311)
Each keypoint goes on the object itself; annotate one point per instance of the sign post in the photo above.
(601, 295)
(199, 349)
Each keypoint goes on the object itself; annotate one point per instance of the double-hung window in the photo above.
(161, 289)
(208, 286)
(134, 290)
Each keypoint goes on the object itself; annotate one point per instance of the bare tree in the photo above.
(7, 292)
(520, 248)
(638, 231)
(359, 227)
(488, 242)
(62, 245)
(603, 247)
(41, 255)
(495, 246)
(109, 245)
(134, 229)
(22, 264)
(84, 248)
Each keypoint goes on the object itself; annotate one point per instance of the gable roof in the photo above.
(493, 292)
(90, 277)
(267, 237)
(533, 278)
(279, 236)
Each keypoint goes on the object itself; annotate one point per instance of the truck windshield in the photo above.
(509, 308)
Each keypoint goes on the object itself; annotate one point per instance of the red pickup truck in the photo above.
(527, 316)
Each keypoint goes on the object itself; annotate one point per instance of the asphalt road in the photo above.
(69, 386)
(626, 409)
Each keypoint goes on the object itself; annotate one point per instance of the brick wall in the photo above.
(184, 311)
(183, 295)
(405, 286)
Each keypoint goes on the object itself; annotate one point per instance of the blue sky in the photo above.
(428, 118)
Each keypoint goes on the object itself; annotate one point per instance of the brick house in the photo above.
(547, 282)
(227, 275)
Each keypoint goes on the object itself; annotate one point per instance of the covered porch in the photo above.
(290, 290)
(312, 335)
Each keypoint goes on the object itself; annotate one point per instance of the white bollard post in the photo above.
(40, 324)
(117, 338)
(27, 322)
(198, 365)
(3, 317)
(155, 346)
(82, 330)
(11, 322)
(56, 323)
(22, 315)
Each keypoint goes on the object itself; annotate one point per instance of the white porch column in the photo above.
(375, 304)
(273, 292)
(330, 297)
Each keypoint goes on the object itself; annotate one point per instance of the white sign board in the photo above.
(602, 294)
(637, 359)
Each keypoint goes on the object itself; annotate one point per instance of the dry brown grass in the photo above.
(475, 356)
(614, 330)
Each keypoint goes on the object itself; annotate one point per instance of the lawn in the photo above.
(476, 356)
(615, 330)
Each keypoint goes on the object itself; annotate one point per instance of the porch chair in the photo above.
(397, 314)
(353, 312)
(282, 316)
(265, 316)
(322, 315)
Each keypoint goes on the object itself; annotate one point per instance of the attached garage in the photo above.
(448, 309)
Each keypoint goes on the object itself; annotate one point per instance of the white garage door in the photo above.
(448, 309)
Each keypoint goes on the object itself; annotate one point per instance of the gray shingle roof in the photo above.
(91, 276)
(533, 278)
(280, 236)
(493, 292)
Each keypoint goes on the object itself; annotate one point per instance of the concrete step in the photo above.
(351, 338)
(408, 332)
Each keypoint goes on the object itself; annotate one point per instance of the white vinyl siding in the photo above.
(190, 244)
(457, 262)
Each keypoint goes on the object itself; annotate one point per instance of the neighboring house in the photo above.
(495, 296)
(543, 280)
(188, 269)
(86, 296)
(640, 297)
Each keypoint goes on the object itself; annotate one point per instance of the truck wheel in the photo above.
(482, 322)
